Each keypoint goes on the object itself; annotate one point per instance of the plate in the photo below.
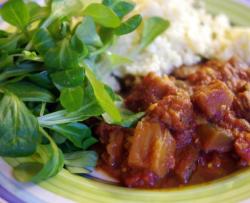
(68, 188)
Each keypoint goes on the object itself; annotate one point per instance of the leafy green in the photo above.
(61, 9)
(9, 44)
(122, 8)
(36, 12)
(117, 60)
(86, 32)
(82, 159)
(129, 26)
(50, 163)
(61, 57)
(79, 134)
(18, 127)
(30, 92)
(102, 15)
(89, 109)
(68, 78)
(41, 79)
(153, 27)
(43, 41)
(102, 96)
(16, 13)
(52, 65)
(72, 98)
(128, 118)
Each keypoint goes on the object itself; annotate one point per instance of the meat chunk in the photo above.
(175, 111)
(187, 163)
(203, 76)
(183, 138)
(213, 99)
(242, 146)
(114, 138)
(233, 74)
(150, 90)
(230, 121)
(214, 138)
(242, 105)
(153, 148)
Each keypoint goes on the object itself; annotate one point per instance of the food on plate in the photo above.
(48, 82)
(195, 128)
(151, 92)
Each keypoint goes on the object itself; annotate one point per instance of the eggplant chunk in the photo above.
(153, 148)
(214, 138)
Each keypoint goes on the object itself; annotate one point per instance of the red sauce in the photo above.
(196, 128)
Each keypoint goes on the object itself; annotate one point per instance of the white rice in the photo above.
(194, 34)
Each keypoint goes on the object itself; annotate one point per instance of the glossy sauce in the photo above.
(195, 129)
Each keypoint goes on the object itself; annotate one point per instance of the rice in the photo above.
(194, 34)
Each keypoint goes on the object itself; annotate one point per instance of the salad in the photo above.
(49, 86)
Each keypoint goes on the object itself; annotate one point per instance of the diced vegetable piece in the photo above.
(152, 148)
(213, 99)
(187, 164)
(162, 158)
(142, 143)
(214, 138)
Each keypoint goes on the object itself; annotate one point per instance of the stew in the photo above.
(196, 127)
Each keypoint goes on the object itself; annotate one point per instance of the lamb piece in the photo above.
(175, 111)
(183, 138)
(187, 164)
(213, 99)
(149, 91)
(203, 76)
(242, 105)
(242, 146)
(234, 74)
(236, 125)
(214, 138)
(153, 148)
(114, 138)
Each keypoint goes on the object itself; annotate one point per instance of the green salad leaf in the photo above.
(16, 13)
(27, 91)
(129, 26)
(121, 8)
(52, 66)
(79, 134)
(77, 161)
(43, 41)
(86, 32)
(102, 15)
(102, 96)
(73, 95)
(68, 78)
(49, 163)
(18, 127)
(61, 57)
(153, 27)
